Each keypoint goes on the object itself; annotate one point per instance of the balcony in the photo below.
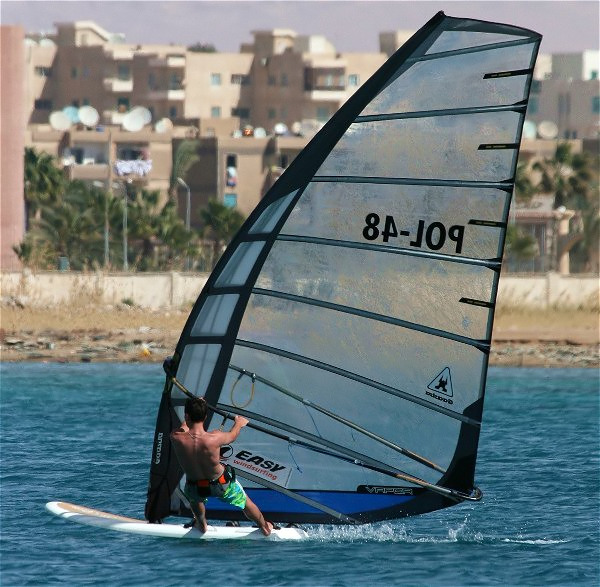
(174, 95)
(114, 84)
(168, 61)
(89, 171)
(119, 54)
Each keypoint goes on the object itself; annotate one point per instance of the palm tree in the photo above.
(221, 223)
(44, 181)
(68, 228)
(184, 157)
(568, 176)
(524, 186)
(573, 179)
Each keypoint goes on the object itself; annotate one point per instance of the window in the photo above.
(85, 101)
(43, 104)
(75, 103)
(353, 79)
(284, 80)
(123, 72)
(536, 86)
(324, 78)
(43, 71)
(596, 104)
(122, 104)
(152, 85)
(85, 71)
(230, 200)
(231, 161)
(73, 72)
(241, 112)
(533, 105)
(271, 81)
(239, 79)
(172, 111)
(593, 74)
(215, 112)
(271, 113)
(215, 79)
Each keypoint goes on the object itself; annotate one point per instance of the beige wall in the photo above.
(165, 290)
(12, 130)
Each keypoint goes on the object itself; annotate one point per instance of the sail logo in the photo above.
(159, 439)
(261, 466)
(440, 387)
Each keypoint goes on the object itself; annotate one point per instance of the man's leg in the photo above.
(200, 515)
(252, 512)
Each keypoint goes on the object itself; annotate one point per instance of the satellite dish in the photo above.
(280, 128)
(144, 113)
(88, 116)
(297, 128)
(73, 113)
(547, 129)
(163, 125)
(47, 43)
(134, 120)
(529, 130)
(260, 133)
(236, 134)
(60, 121)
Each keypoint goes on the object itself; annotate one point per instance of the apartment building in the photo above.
(565, 100)
(249, 113)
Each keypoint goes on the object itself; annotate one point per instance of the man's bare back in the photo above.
(198, 453)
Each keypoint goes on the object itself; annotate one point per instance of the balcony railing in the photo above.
(114, 84)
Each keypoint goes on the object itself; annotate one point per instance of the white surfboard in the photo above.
(93, 517)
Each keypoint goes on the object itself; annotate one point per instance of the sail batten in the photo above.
(359, 295)
(361, 179)
(489, 263)
(479, 344)
(356, 377)
(520, 107)
(467, 50)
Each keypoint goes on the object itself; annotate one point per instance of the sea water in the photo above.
(83, 433)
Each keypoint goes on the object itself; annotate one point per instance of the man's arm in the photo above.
(228, 437)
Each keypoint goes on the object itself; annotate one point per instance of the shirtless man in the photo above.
(198, 453)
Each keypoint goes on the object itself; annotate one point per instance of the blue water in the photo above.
(83, 433)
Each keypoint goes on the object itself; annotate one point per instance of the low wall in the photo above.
(174, 290)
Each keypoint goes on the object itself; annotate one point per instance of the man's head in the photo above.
(195, 409)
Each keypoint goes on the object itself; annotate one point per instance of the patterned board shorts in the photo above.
(234, 495)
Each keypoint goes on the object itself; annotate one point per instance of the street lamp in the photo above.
(100, 184)
(125, 262)
(187, 214)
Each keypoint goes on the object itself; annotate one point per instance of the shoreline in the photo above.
(131, 335)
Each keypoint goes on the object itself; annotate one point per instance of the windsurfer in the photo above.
(198, 453)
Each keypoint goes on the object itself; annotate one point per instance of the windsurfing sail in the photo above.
(351, 317)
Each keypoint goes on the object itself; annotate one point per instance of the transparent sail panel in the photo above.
(398, 357)
(241, 263)
(339, 211)
(269, 218)
(345, 398)
(439, 84)
(419, 290)
(453, 40)
(440, 147)
(197, 365)
(215, 315)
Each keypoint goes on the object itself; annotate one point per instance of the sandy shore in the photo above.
(126, 334)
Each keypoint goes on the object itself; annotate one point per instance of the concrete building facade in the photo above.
(12, 144)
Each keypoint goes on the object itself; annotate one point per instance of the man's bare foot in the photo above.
(267, 531)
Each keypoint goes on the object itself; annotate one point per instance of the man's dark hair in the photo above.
(196, 409)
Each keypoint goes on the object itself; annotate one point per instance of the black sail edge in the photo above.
(164, 470)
